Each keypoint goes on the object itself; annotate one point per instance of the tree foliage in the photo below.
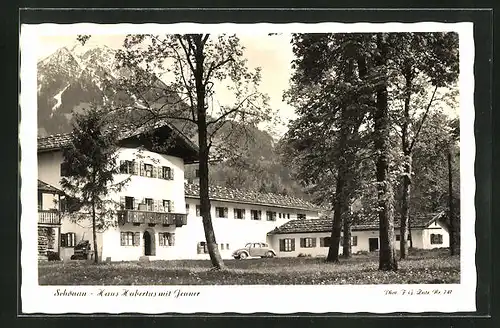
(361, 101)
(177, 78)
(90, 163)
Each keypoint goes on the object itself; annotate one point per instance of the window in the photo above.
(221, 212)
(187, 208)
(325, 242)
(128, 238)
(196, 173)
(287, 245)
(354, 241)
(221, 247)
(436, 239)
(255, 214)
(126, 167)
(227, 246)
(271, 216)
(202, 248)
(166, 239)
(398, 237)
(288, 215)
(301, 216)
(239, 213)
(279, 215)
(167, 173)
(198, 210)
(308, 242)
(148, 170)
(68, 239)
(65, 169)
(129, 203)
(149, 204)
(167, 205)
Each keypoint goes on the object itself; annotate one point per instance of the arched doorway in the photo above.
(149, 245)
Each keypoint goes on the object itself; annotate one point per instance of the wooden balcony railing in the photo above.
(150, 217)
(49, 217)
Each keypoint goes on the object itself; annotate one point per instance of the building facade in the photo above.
(312, 237)
(157, 213)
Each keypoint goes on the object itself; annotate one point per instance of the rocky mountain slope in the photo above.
(73, 78)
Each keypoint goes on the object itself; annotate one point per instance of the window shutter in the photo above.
(155, 172)
(141, 168)
(122, 238)
(137, 238)
(282, 245)
(171, 174)
(314, 242)
(122, 201)
(354, 240)
(293, 244)
(302, 242)
(135, 204)
(122, 166)
(135, 167)
(171, 239)
(225, 212)
(63, 240)
(171, 207)
(161, 239)
(155, 205)
(199, 248)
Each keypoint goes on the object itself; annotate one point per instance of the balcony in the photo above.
(50, 217)
(138, 217)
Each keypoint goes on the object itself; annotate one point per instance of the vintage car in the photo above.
(254, 250)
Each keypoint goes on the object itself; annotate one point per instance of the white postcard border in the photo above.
(242, 299)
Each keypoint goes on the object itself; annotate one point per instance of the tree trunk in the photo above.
(406, 178)
(94, 234)
(213, 249)
(387, 260)
(333, 251)
(454, 240)
(347, 247)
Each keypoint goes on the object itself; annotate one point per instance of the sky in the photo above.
(272, 53)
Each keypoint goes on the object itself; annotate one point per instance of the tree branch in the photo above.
(423, 119)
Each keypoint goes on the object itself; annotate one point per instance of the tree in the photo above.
(327, 91)
(422, 61)
(89, 164)
(195, 67)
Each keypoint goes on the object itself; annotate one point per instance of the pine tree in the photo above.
(90, 163)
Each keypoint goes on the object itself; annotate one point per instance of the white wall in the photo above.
(421, 239)
(49, 169)
(159, 189)
(235, 232)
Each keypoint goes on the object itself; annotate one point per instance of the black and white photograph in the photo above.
(243, 167)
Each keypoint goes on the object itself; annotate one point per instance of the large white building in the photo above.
(157, 213)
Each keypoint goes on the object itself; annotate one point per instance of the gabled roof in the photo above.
(60, 141)
(220, 193)
(325, 225)
(43, 186)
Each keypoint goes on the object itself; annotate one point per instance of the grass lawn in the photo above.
(422, 267)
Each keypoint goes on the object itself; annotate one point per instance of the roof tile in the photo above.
(325, 225)
(192, 190)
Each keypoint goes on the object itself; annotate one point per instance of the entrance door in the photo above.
(373, 244)
(147, 243)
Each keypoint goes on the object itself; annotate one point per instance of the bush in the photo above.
(53, 256)
(303, 255)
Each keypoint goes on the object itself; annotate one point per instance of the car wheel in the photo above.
(243, 256)
(269, 254)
